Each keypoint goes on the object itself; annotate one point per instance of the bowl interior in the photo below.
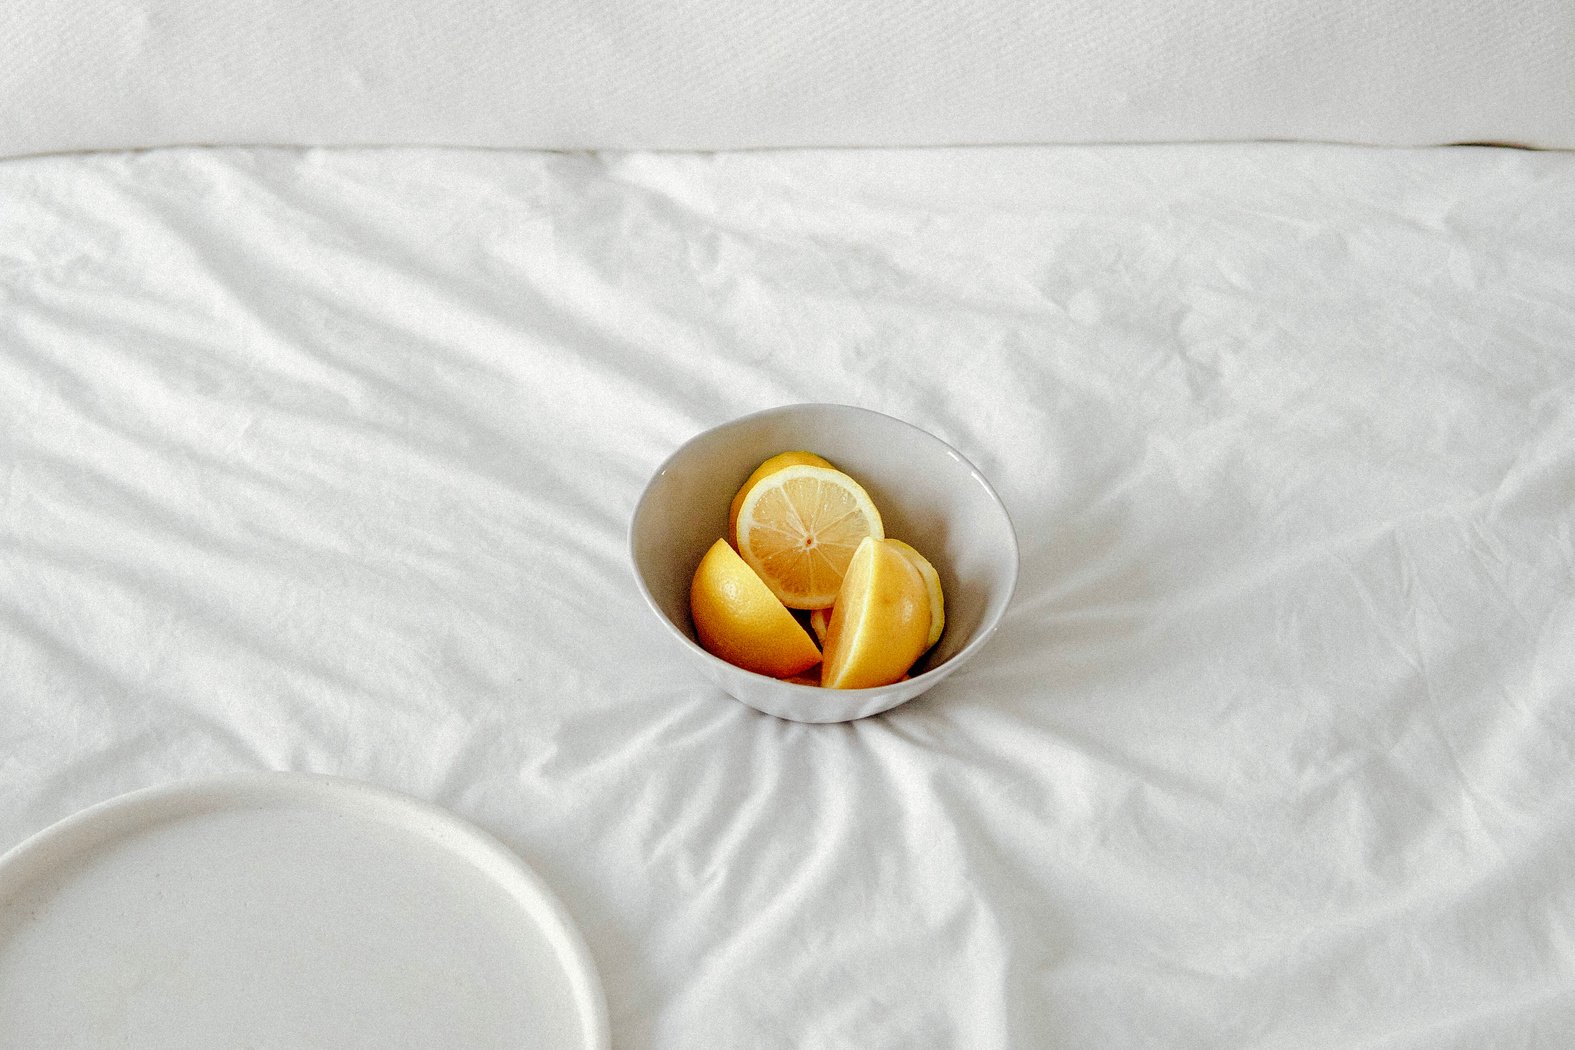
(927, 493)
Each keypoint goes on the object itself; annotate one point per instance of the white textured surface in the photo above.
(709, 74)
(323, 461)
(283, 912)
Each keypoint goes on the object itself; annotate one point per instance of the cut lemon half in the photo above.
(738, 618)
(798, 528)
(769, 467)
(880, 621)
(932, 581)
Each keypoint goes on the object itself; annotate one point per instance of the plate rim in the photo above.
(58, 845)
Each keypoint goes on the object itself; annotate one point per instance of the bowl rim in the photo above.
(981, 635)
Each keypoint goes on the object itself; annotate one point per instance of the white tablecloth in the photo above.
(323, 461)
(724, 74)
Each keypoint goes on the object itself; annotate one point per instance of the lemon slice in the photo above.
(798, 528)
(932, 581)
(738, 618)
(769, 467)
(880, 621)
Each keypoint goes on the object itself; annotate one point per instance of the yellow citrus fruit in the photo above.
(880, 621)
(798, 528)
(932, 581)
(770, 466)
(819, 620)
(738, 618)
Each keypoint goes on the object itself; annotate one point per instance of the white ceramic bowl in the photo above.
(928, 495)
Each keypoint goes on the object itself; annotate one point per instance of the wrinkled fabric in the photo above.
(323, 461)
(719, 74)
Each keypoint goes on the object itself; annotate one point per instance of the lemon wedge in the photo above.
(737, 618)
(880, 620)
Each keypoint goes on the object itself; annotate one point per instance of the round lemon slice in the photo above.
(771, 466)
(798, 528)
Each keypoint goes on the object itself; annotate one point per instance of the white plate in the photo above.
(284, 912)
